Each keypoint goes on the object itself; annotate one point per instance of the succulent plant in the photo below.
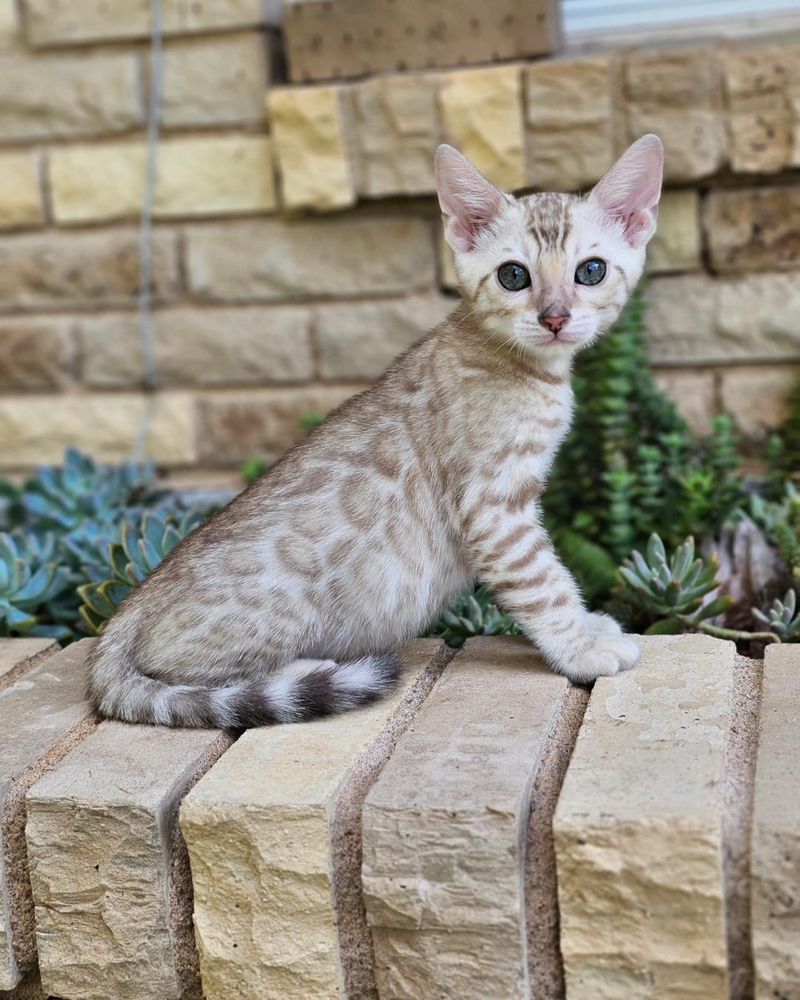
(29, 579)
(473, 613)
(782, 617)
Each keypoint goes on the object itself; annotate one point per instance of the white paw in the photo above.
(609, 653)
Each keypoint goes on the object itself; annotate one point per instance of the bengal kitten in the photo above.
(288, 603)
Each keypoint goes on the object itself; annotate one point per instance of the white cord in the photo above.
(146, 331)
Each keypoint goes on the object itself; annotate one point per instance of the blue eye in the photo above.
(513, 277)
(590, 272)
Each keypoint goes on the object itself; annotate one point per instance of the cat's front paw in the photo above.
(604, 650)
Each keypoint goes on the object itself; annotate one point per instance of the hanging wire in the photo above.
(146, 331)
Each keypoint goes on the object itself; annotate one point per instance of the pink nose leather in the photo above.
(553, 321)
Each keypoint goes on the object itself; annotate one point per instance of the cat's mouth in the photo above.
(561, 338)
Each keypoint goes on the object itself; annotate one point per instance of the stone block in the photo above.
(757, 397)
(776, 830)
(44, 712)
(676, 244)
(9, 26)
(223, 175)
(276, 260)
(19, 655)
(20, 194)
(68, 22)
(216, 81)
(34, 431)
(677, 94)
(65, 96)
(199, 347)
(311, 147)
(693, 392)
(359, 341)
(233, 428)
(445, 829)
(273, 832)
(482, 116)
(36, 353)
(755, 229)
(397, 132)
(570, 122)
(638, 829)
(109, 871)
(77, 269)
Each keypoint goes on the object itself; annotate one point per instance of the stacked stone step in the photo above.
(474, 834)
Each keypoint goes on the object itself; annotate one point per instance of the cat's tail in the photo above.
(303, 689)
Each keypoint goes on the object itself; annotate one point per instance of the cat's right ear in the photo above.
(468, 201)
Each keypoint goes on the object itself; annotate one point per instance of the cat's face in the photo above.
(548, 273)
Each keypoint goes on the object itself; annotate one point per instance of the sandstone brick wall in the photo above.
(296, 243)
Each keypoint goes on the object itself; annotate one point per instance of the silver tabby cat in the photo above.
(289, 602)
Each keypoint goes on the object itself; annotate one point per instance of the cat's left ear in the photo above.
(631, 189)
(468, 201)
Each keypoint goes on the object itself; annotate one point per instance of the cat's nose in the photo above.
(554, 317)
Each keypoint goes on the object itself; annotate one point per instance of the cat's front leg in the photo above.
(515, 557)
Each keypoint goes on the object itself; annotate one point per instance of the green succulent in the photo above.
(29, 580)
(473, 613)
(780, 522)
(782, 617)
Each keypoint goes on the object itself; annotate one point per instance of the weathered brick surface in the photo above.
(110, 879)
(444, 829)
(274, 260)
(776, 830)
(359, 341)
(67, 95)
(222, 175)
(676, 244)
(693, 392)
(36, 353)
(482, 116)
(677, 94)
(199, 347)
(41, 712)
(20, 191)
(311, 146)
(754, 229)
(34, 431)
(62, 270)
(570, 122)
(637, 829)
(232, 428)
(397, 126)
(756, 396)
(9, 26)
(263, 829)
(17, 654)
(215, 81)
(65, 22)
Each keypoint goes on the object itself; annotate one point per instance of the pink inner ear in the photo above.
(468, 201)
(631, 189)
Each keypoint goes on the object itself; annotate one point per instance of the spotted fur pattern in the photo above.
(288, 603)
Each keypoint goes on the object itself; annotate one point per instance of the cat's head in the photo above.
(549, 273)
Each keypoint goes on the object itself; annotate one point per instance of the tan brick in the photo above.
(65, 22)
(37, 429)
(694, 394)
(482, 116)
(756, 229)
(42, 713)
(74, 269)
(757, 397)
(445, 829)
(676, 244)
(570, 128)
(776, 829)
(638, 829)
(232, 428)
(760, 81)
(676, 93)
(20, 194)
(36, 353)
(359, 341)
(17, 654)
(273, 838)
(104, 823)
(397, 125)
(223, 175)
(9, 27)
(273, 260)
(311, 147)
(61, 96)
(200, 347)
(218, 81)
